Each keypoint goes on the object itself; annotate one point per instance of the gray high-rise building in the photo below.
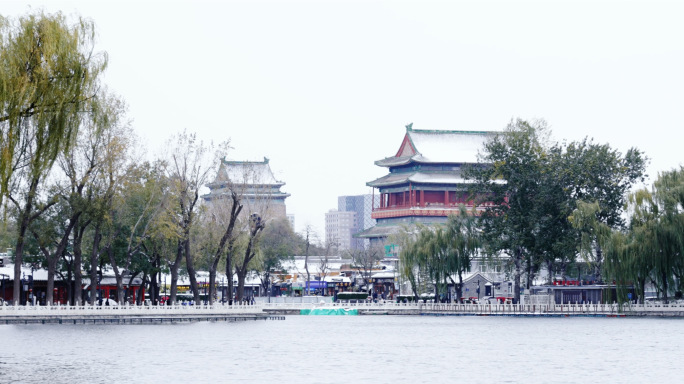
(362, 205)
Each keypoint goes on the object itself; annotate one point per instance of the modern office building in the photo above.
(362, 205)
(340, 226)
(353, 215)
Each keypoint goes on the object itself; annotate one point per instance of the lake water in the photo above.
(350, 349)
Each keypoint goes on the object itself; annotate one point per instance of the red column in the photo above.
(411, 195)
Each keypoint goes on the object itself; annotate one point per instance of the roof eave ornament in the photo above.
(409, 127)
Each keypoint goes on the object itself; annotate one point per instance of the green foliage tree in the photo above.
(278, 243)
(511, 180)
(597, 173)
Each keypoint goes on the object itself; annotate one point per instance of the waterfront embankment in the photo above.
(128, 314)
(531, 310)
(131, 314)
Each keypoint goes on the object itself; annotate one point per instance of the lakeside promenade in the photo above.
(538, 310)
(277, 311)
(131, 314)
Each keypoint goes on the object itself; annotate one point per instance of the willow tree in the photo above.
(595, 235)
(434, 248)
(441, 251)
(463, 243)
(409, 256)
(423, 258)
(48, 76)
(669, 194)
(657, 230)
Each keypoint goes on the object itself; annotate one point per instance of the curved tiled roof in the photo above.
(418, 178)
(246, 172)
(432, 146)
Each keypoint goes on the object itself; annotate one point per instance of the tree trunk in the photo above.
(598, 264)
(235, 210)
(94, 254)
(117, 274)
(229, 273)
(528, 268)
(459, 290)
(241, 284)
(212, 285)
(516, 276)
(78, 278)
(49, 295)
(257, 227)
(563, 270)
(68, 280)
(665, 287)
(153, 285)
(128, 286)
(174, 272)
(52, 258)
(192, 274)
(24, 220)
(308, 276)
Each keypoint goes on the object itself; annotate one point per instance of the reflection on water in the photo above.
(341, 349)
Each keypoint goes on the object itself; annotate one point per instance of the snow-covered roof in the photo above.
(447, 146)
(384, 275)
(7, 273)
(247, 173)
(337, 279)
(433, 146)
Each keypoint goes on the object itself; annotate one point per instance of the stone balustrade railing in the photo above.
(142, 310)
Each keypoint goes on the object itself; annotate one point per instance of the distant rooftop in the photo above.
(435, 146)
(247, 172)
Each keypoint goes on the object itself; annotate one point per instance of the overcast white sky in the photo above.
(325, 88)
